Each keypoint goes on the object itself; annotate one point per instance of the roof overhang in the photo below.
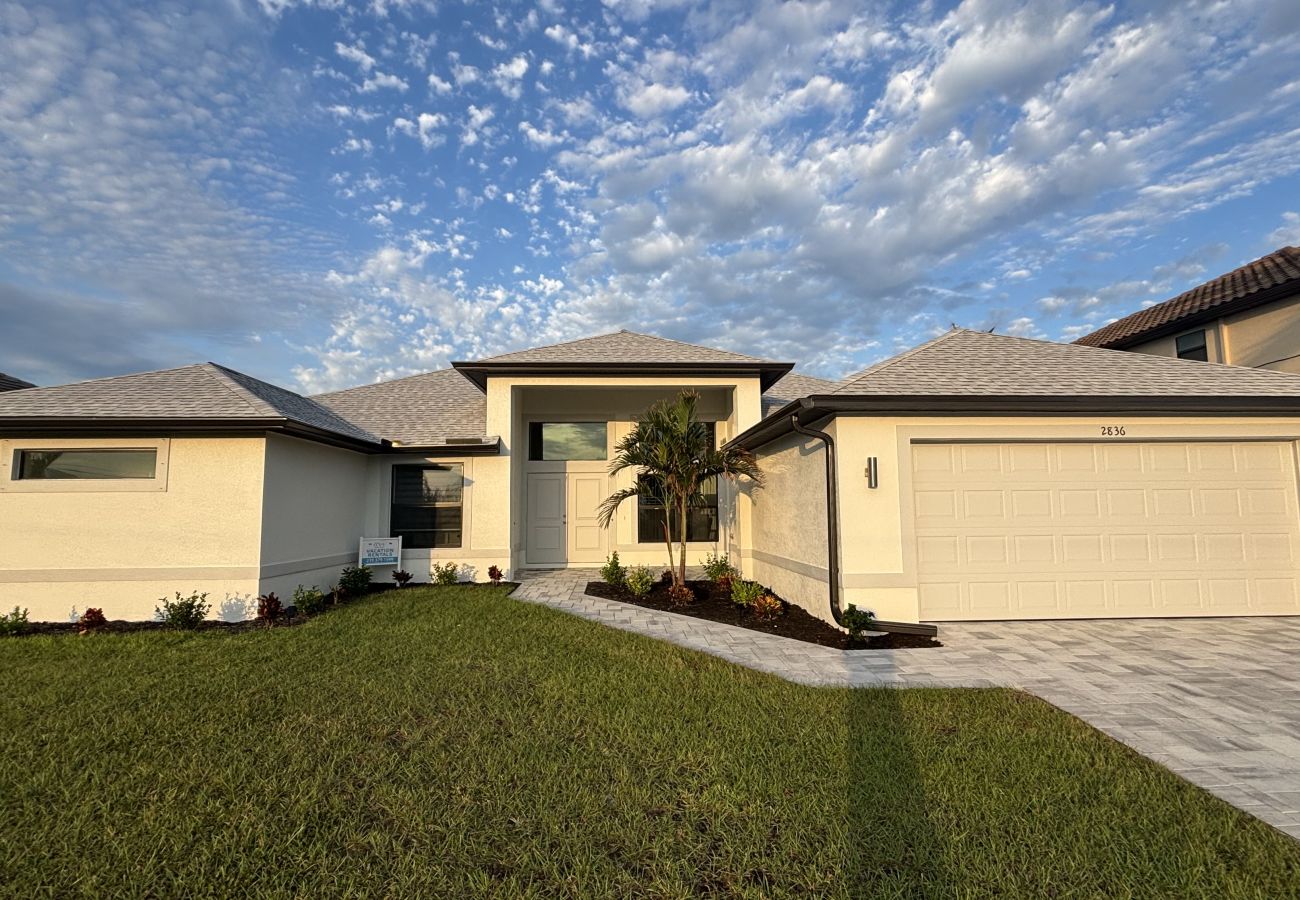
(820, 407)
(1200, 317)
(63, 426)
(768, 374)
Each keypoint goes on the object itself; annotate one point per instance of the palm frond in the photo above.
(609, 507)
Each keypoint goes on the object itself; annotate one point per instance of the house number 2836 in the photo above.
(1112, 431)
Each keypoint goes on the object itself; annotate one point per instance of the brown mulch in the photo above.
(795, 622)
(288, 619)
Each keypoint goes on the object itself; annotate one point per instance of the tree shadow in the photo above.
(894, 848)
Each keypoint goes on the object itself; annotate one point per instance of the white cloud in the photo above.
(355, 53)
(438, 86)
(539, 137)
(382, 81)
(651, 100)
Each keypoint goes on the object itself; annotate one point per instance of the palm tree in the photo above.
(671, 449)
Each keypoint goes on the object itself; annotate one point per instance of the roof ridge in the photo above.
(46, 387)
(899, 357)
(222, 376)
(589, 337)
(374, 384)
(659, 337)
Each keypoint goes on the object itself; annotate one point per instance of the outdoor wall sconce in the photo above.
(873, 472)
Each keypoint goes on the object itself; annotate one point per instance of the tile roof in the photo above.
(422, 409)
(792, 387)
(196, 393)
(10, 383)
(624, 347)
(975, 363)
(1239, 289)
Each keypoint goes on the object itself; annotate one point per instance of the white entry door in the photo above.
(563, 518)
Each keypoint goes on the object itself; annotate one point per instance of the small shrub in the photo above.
(666, 577)
(446, 573)
(495, 574)
(680, 595)
(745, 593)
(353, 581)
(725, 582)
(402, 578)
(269, 608)
(716, 568)
(858, 621)
(612, 572)
(767, 607)
(183, 612)
(91, 620)
(308, 600)
(639, 581)
(13, 623)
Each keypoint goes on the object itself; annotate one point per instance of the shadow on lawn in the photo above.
(893, 846)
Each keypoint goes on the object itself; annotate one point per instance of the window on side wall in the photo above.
(428, 505)
(1192, 346)
(701, 519)
(85, 464)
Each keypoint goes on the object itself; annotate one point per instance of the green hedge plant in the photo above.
(308, 600)
(13, 623)
(446, 573)
(183, 612)
(744, 593)
(613, 572)
(640, 580)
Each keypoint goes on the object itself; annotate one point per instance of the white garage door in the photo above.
(1043, 531)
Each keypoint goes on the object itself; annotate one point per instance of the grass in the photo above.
(454, 742)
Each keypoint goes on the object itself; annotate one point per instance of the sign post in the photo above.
(380, 552)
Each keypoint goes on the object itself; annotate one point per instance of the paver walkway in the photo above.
(1215, 700)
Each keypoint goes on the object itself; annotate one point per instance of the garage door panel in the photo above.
(1125, 529)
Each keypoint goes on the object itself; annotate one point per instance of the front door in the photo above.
(563, 518)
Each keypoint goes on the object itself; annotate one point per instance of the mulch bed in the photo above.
(796, 622)
(290, 618)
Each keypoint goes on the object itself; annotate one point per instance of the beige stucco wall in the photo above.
(878, 541)
(484, 525)
(69, 547)
(313, 513)
(788, 551)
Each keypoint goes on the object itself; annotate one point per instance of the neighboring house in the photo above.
(10, 383)
(1248, 317)
(976, 477)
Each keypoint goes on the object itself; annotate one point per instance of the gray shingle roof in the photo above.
(422, 409)
(204, 391)
(974, 363)
(792, 387)
(10, 383)
(624, 347)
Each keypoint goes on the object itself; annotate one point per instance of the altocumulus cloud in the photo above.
(325, 194)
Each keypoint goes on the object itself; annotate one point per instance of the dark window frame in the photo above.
(23, 469)
(1192, 349)
(702, 522)
(537, 441)
(413, 538)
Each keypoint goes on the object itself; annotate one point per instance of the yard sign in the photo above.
(380, 552)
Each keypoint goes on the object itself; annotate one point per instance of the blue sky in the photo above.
(325, 194)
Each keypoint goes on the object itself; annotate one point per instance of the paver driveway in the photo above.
(1215, 700)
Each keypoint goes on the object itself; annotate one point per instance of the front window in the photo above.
(1192, 346)
(558, 441)
(428, 505)
(93, 464)
(701, 518)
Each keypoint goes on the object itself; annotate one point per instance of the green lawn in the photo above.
(453, 742)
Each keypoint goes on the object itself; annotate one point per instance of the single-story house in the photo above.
(976, 476)
(1247, 317)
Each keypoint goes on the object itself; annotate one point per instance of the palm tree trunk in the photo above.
(668, 541)
(681, 578)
